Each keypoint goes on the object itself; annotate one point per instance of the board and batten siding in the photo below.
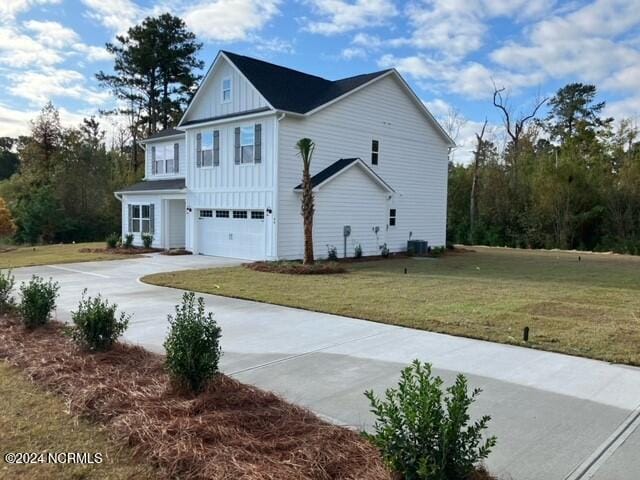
(182, 155)
(233, 186)
(413, 160)
(208, 102)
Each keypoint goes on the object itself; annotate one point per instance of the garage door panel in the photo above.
(232, 237)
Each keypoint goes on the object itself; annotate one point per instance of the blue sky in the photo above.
(450, 51)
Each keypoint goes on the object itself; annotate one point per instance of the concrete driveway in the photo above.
(556, 416)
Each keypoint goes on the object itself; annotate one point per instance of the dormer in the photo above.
(165, 154)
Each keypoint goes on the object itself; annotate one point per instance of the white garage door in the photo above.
(232, 233)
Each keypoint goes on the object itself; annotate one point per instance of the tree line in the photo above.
(568, 180)
(58, 182)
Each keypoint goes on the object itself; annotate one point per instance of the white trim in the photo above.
(222, 90)
(151, 192)
(161, 139)
(234, 119)
(364, 167)
(206, 77)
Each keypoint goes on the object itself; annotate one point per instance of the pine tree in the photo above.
(7, 225)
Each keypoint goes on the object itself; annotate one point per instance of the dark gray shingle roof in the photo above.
(291, 90)
(337, 167)
(169, 132)
(155, 185)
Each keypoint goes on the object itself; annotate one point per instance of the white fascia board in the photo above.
(236, 119)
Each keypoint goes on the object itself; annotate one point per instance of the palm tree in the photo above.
(305, 148)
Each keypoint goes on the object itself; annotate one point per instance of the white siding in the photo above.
(413, 161)
(166, 142)
(143, 200)
(229, 186)
(353, 199)
(209, 99)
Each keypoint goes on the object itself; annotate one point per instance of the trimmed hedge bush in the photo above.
(7, 282)
(128, 240)
(147, 240)
(424, 432)
(112, 240)
(38, 301)
(96, 325)
(193, 345)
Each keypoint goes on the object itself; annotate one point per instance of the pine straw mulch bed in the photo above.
(230, 431)
(121, 250)
(297, 268)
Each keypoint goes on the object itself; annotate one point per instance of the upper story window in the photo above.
(208, 149)
(375, 150)
(248, 144)
(226, 90)
(165, 159)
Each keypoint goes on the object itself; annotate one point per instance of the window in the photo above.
(392, 217)
(375, 149)
(140, 219)
(239, 214)
(226, 90)
(206, 213)
(247, 141)
(222, 213)
(257, 215)
(208, 149)
(164, 158)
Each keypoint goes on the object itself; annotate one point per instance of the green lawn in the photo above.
(13, 257)
(589, 308)
(34, 421)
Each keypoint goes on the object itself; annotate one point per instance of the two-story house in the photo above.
(226, 182)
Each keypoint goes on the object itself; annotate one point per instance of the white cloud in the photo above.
(229, 20)
(52, 34)
(584, 44)
(38, 87)
(117, 15)
(9, 9)
(92, 53)
(470, 79)
(340, 16)
(18, 50)
(14, 122)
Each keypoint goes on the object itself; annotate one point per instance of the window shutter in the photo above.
(152, 219)
(257, 149)
(199, 149)
(236, 157)
(153, 161)
(176, 157)
(216, 148)
(130, 217)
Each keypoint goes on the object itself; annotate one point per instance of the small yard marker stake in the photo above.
(526, 334)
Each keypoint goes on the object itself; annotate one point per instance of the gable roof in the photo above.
(342, 166)
(155, 185)
(292, 90)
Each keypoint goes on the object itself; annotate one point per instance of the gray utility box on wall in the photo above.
(417, 247)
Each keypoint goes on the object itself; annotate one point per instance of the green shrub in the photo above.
(38, 301)
(437, 251)
(112, 240)
(96, 325)
(128, 240)
(332, 253)
(384, 250)
(193, 345)
(425, 433)
(147, 240)
(357, 251)
(7, 282)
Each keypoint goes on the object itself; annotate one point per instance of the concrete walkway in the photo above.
(556, 416)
